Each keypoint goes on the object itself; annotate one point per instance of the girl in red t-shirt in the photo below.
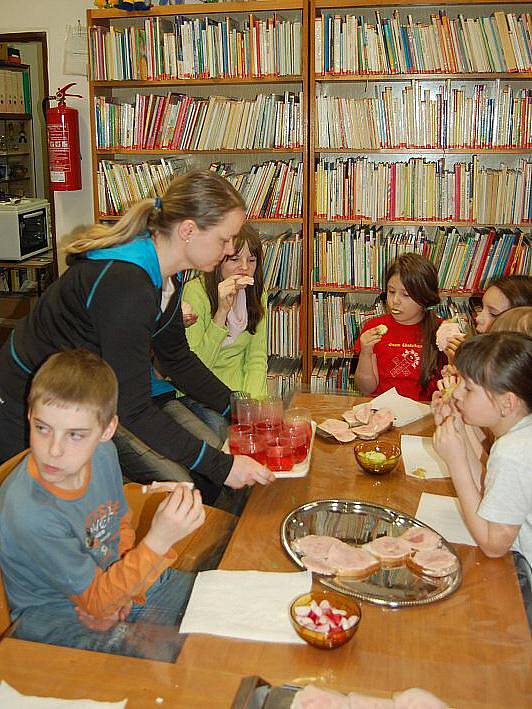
(399, 349)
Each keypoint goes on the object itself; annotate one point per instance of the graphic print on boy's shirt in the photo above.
(102, 532)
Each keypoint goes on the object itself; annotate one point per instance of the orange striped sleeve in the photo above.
(124, 581)
(127, 535)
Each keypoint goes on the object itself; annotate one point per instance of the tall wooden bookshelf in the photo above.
(226, 79)
(477, 159)
(359, 143)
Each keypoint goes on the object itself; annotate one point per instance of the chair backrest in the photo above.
(5, 619)
(200, 550)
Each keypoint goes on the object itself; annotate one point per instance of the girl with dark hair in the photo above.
(494, 391)
(229, 335)
(399, 349)
(501, 295)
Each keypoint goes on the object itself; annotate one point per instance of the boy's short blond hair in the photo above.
(77, 378)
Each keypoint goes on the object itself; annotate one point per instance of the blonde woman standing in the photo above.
(109, 302)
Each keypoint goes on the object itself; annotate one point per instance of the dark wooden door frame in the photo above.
(42, 39)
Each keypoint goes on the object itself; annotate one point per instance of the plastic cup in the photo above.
(279, 454)
(299, 420)
(248, 411)
(299, 444)
(240, 436)
(271, 409)
(268, 428)
(235, 397)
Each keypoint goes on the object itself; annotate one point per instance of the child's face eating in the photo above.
(494, 302)
(63, 439)
(473, 402)
(403, 308)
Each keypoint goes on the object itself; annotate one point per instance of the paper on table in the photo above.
(405, 410)
(9, 697)
(251, 605)
(419, 455)
(444, 514)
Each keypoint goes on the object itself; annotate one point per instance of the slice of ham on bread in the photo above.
(315, 698)
(328, 555)
(352, 561)
(379, 421)
(391, 551)
(363, 413)
(421, 538)
(338, 429)
(433, 562)
(314, 545)
(243, 281)
(447, 330)
(311, 697)
(156, 486)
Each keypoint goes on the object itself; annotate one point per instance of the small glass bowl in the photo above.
(390, 450)
(331, 640)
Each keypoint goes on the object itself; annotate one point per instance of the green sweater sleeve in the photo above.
(205, 337)
(256, 364)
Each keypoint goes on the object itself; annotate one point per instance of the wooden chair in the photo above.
(200, 550)
(5, 619)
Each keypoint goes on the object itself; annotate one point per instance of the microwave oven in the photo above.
(24, 228)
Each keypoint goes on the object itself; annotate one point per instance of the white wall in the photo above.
(52, 17)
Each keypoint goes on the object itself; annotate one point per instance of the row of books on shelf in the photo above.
(337, 320)
(420, 189)
(284, 375)
(282, 258)
(196, 48)
(330, 374)
(182, 122)
(284, 326)
(417, 116)
(359, 256)
(349, 44)
(273, 189)
(121, 184)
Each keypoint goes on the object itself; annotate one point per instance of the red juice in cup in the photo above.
(264, 428)
(279, 454)
(299, 443)
(240, 439)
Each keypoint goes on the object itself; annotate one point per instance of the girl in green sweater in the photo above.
(229, 335)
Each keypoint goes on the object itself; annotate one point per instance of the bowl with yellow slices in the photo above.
(377, 457)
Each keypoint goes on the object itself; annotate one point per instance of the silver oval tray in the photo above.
(357, 522)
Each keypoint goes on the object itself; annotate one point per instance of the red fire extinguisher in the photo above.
(63, 142)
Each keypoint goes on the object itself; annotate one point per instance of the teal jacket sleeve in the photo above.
(256, 363)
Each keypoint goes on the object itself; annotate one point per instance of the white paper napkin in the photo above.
(419, 455)
(444, 514)
(251, 605)
(404, 409)
(9, 697)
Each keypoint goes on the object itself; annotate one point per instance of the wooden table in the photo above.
(473, 649)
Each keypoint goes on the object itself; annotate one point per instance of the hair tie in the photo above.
(158, 203)
(432, 307)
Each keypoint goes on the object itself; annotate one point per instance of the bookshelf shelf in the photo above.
(219, 151)
(376, 291)
(255, 220)
(426, 151)
(150, 83)
(433, 76)
(421, 222)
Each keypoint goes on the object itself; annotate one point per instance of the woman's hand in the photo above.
(246, 471)
(369, 339)
(189, 316)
